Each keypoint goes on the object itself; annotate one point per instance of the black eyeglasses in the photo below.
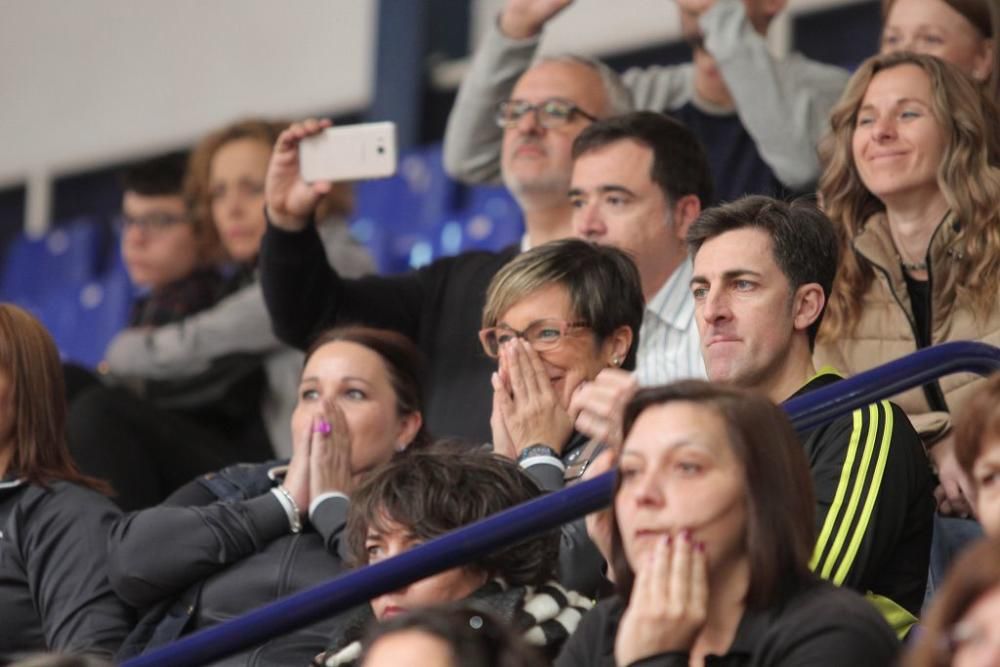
(151, 222)
(550, 114)
(541, 335)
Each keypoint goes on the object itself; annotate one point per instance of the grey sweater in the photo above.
(782, 102)
(237, 324)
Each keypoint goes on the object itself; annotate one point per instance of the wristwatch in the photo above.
(537, 449)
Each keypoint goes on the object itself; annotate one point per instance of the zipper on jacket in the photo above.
(281, 589)
(932, 391)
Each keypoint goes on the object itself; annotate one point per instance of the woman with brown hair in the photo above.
(207, 403)
(962, 32)
(54, 592)
(250, 533)
(961, 628)
(912, 185)
(712, 534)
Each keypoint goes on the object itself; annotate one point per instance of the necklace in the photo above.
(918, 266)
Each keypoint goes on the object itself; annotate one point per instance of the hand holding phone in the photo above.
(349, 153)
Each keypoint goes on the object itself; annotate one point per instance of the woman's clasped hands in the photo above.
(321, 460)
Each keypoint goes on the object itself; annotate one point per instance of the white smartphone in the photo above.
(349, 153)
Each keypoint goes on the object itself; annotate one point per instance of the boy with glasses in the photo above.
(165, 253)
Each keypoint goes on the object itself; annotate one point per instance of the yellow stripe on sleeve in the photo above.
(873, 489)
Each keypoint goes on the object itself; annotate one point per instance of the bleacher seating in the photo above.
(421, 214)
(74, 281)
(70, 254)
(73, 278)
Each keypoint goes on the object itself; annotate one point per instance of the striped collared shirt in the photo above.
(669, 347)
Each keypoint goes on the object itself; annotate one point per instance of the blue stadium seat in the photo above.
(84, 318)
(399, 218)
(492, 219)
(69, 254)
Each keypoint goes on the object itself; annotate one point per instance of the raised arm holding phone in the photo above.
(438, 306)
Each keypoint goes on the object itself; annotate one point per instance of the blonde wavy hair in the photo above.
(197, 182)
(968, 178)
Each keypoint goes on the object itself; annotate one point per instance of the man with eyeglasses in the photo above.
(437, 306)
(759, 116)
(549, 106)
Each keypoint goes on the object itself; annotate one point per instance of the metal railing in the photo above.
(539, 515)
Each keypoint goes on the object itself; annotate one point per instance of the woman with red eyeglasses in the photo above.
(556, 316)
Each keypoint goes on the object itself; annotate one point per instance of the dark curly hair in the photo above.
(436, 490)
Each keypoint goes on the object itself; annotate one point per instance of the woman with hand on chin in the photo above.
(713, 530)
(912, 184)
(236, 539)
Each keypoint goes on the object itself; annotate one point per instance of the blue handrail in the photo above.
(546, 513)
(825, 404)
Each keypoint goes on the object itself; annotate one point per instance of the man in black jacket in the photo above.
(440, 305)
(763, 270)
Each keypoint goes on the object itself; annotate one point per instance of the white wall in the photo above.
(88, 83)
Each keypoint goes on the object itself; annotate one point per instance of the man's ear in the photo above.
(808, 305)
(685, 211)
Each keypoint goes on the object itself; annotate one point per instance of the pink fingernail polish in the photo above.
(686, 534)
(323, 427)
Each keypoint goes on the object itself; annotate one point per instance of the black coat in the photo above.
(820, 626)
(54, 591)
(439, 307)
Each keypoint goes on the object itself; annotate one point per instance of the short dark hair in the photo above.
(435, 490)
(803, 239)
(402, 359)
(162, 175)
(780, 504)
(680, 166)
(603, 284)
(475, 636)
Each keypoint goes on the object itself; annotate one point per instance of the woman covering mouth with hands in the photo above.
(712, 533)
(234, 540)
(555, 317)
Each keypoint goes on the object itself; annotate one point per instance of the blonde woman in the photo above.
(912, 186)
